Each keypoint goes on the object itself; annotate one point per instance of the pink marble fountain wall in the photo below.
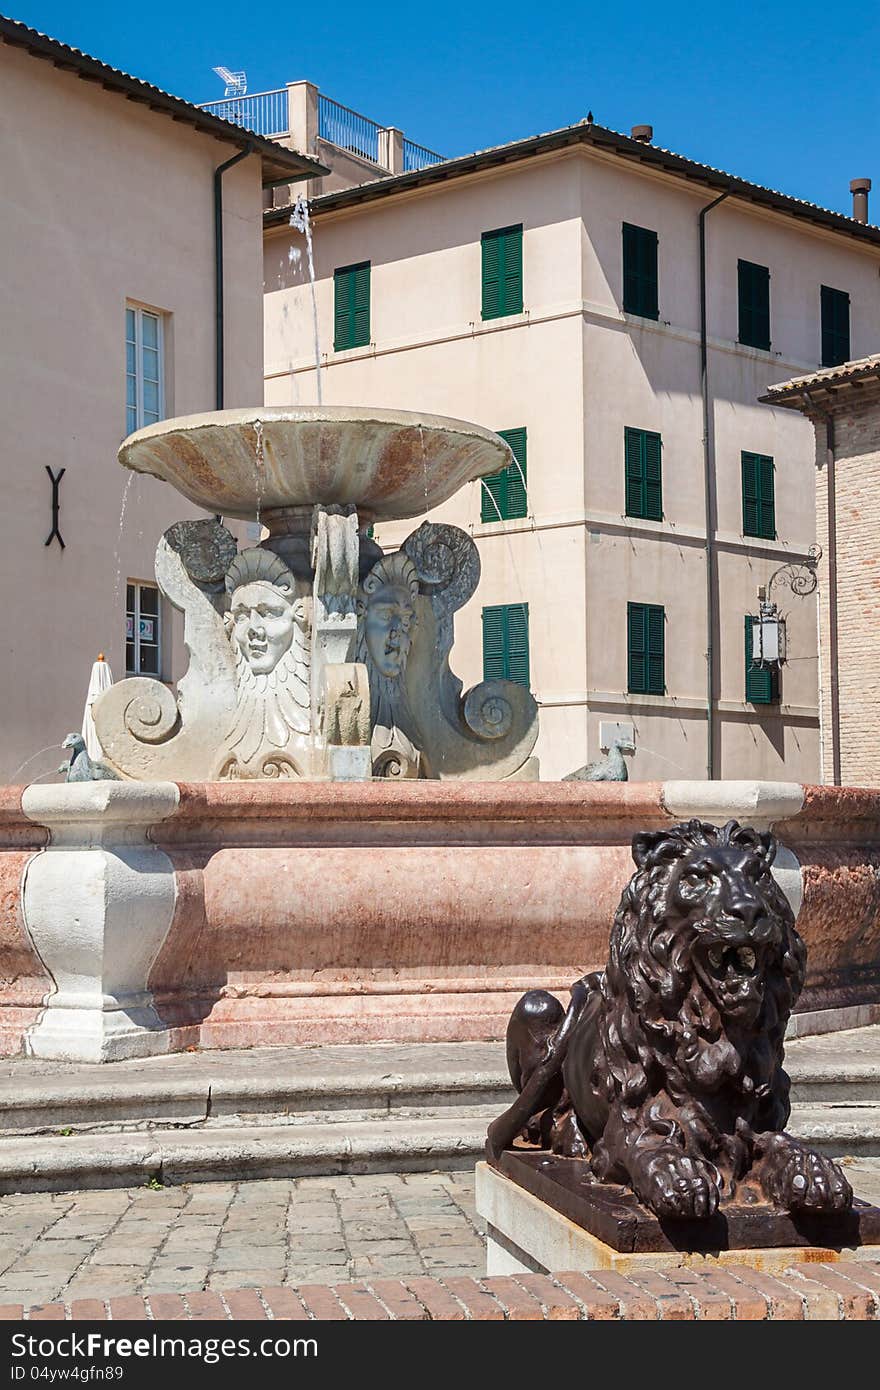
(379, 911)
(24, 983)
(422, 911)
(836, 838)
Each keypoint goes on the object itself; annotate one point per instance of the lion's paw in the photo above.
(676, 1186)
(799, 1179)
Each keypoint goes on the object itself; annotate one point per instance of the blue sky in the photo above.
(771, 92)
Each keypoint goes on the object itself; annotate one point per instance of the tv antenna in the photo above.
(235, 82)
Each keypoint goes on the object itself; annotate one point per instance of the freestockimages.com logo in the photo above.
(97, 1345)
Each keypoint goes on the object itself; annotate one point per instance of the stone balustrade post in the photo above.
(302, 116)
(391, 149)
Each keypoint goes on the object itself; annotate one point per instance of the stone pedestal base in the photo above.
(97, 903)
(106, 1031)
(525, 1235)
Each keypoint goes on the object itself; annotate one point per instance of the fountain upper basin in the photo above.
(391, 464)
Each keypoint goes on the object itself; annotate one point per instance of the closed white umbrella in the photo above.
(100, 680)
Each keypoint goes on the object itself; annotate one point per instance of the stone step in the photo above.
(268, 1086)
(283, 1111)
(838, 1130)
(136, 1108)
(281, 1086)
(837, 1067)
(58, 1163)
(50, 1163)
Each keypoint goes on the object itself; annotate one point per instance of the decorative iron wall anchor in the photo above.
(55, 534)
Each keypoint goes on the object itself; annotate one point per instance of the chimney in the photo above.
(860, 188)
(643, 133)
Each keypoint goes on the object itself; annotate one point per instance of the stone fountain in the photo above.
(322, 838)
(313, 655)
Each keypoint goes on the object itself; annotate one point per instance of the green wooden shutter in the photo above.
(655, 628)
(360, 296)
(653, 477)
(351, 306)
(518, 643)
(640, 271)
(753, 283)
(494, 644)
(502, 272)
(835, 327)
(645, 642)
(506, 643)
(762, 682)
(341, 329)
(633, 472)
(758, 496)
(504, 496)
(491, 281)
(642, 451)
(750, 494)
(517, 474)
(766, 498)
(636, 648)
(493, 497)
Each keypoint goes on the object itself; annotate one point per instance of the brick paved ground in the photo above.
(226, 1236)
(236, 1235)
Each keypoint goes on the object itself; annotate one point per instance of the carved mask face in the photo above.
(261, 621)
(387, 628)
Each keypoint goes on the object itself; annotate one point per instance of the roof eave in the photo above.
(276, 160)
(829, 385)
(603, 140)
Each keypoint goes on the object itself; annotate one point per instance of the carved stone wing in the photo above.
(143, 731)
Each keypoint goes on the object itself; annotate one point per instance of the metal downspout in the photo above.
(833, 672)
(219, 357)
(832, 602)
(710, 500)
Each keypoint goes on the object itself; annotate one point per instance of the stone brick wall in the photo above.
(845, 1291)
(857, 488)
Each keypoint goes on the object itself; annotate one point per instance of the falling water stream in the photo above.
(643, 748)
(128, 482)
(259, 469)
(522, 478)
(301, 222)
(424, 465)
(506, 534)
(23, 765)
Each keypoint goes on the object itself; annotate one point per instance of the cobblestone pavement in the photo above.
(225, 1235)
(252, 1234)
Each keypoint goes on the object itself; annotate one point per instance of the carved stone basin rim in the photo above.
(390, 464)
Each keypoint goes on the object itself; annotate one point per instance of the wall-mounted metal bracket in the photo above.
(55, 534)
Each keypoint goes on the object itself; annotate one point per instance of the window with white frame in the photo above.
(143, 630)
(144, 368)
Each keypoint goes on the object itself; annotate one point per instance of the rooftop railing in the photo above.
(348, 129)
(265, 113)
(417, 156)
(270, 113)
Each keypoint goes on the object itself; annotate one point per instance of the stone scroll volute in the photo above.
(488, 732)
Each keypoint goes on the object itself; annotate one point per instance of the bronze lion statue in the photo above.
(665, 1072)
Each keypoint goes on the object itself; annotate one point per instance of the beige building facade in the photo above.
(110, 320)
(843, 404)
(576, 378)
